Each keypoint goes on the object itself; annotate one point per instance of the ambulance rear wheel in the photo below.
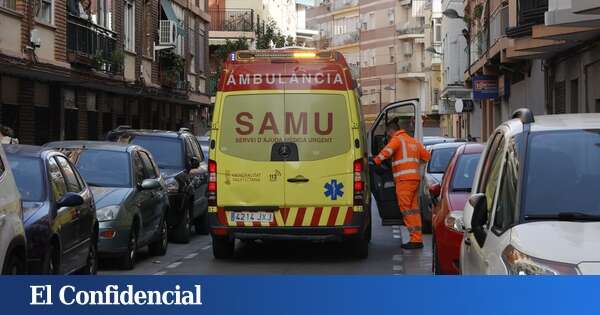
(223, 247)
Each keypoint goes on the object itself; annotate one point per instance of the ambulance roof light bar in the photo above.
(282, 53)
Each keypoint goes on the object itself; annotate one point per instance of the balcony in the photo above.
(586, 7)
(410, 70)
(337, 5)
(410, 30)
(530, 13)
(345, 39)
(93, 46)
(498, 25)
(172, 71)
(479, 45)
(232, 20)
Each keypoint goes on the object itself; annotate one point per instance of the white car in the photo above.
(13, 259)
(535, 207)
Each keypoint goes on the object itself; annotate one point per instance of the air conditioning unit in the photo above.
(167, 35)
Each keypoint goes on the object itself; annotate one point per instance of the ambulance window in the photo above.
(318, 124)
(250, 124)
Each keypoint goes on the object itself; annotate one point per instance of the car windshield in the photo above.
(562, 173)
(440, 159)
(105, 168)
(28, 173)
(167, 152)
(462, 179)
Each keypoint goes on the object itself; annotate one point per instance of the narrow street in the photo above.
(288, 258)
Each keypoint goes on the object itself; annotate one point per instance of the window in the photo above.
(150, 170)
(197, 149)
(45, 13)
(371, 21)
(101, 13)
(192, 44)
(167, 152)
(69, 175)
(392, 54)
(507, 196)
(138, 169)
(464, 171)
(29, 176)
(57, 181)
(201, 51)
(9, 4)
(491, 171)
(437, 30)
(104, 168)
(436, 96)
(129, 26)
(390, 15)
(575, 96)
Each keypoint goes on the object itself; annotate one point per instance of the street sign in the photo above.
(485, 87)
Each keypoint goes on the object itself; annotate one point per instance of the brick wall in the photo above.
(60, 35)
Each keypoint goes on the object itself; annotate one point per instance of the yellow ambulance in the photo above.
(288, 157)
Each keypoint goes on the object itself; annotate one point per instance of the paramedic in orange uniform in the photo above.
(406, 154)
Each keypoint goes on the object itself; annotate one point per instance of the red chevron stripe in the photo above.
(348, 218)
(300, 216)
(284, 214)
(316, 217)
(333, 216)
(221, 216)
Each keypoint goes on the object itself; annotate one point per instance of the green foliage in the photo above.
(117, 60)
(478, 11)
(230, 46)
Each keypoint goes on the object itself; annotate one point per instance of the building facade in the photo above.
(76, 69)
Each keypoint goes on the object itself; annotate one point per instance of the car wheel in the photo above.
(129, 257)
(14, 265)
(51, 261)
(201, 224)
(369, 232)
(359, 247)
(159, 246)
(91, 267)
(223, 247)
(182, 231)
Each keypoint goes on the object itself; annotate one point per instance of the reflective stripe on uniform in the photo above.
(398, 162)
(410, 211)
(389, 150)
(405, 172)
(381, 157)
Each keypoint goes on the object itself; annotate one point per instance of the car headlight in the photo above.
(172, 185)
(454, 221)
(519, 263)
(107, 213)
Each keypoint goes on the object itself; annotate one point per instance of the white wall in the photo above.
(528, 93)
(454, 60)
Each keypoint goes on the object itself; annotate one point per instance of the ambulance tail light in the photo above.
(359, 184)
(212, 183)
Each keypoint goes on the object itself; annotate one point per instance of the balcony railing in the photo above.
(232, 20)
(91, 45)
(529, 13)
(408, 29)
(479, 45)
(342, 4)
(345, 39)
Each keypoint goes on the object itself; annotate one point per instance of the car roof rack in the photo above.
(524, 114)
(184, 129)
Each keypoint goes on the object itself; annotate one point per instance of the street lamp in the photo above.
(433, 51)
(452, 14)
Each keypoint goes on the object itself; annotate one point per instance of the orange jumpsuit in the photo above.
(406, 154)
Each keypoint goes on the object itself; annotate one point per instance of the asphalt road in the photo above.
(287, 258)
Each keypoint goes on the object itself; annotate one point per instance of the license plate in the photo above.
(262, 217)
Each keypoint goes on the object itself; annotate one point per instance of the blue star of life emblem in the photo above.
(334, 189)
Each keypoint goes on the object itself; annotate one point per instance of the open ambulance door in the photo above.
(382, 185)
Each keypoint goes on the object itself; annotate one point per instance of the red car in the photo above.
(453, 194)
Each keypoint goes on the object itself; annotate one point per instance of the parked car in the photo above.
(184, 169)
(432, 140)
(434, 171)
(58, 211)
(13, 245)
(535, 208)
(204, 142)
(130, 195)
(447, 221)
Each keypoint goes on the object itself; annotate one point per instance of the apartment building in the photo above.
(76, 69)
(433, 67)
(338, 26)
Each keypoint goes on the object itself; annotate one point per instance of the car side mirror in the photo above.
(480, 217)
(194, 162)
(70, 199)
(149, 184)
(435, 190)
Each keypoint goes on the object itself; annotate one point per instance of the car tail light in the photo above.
(212, 183)
(350, 230)
(359, 184)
